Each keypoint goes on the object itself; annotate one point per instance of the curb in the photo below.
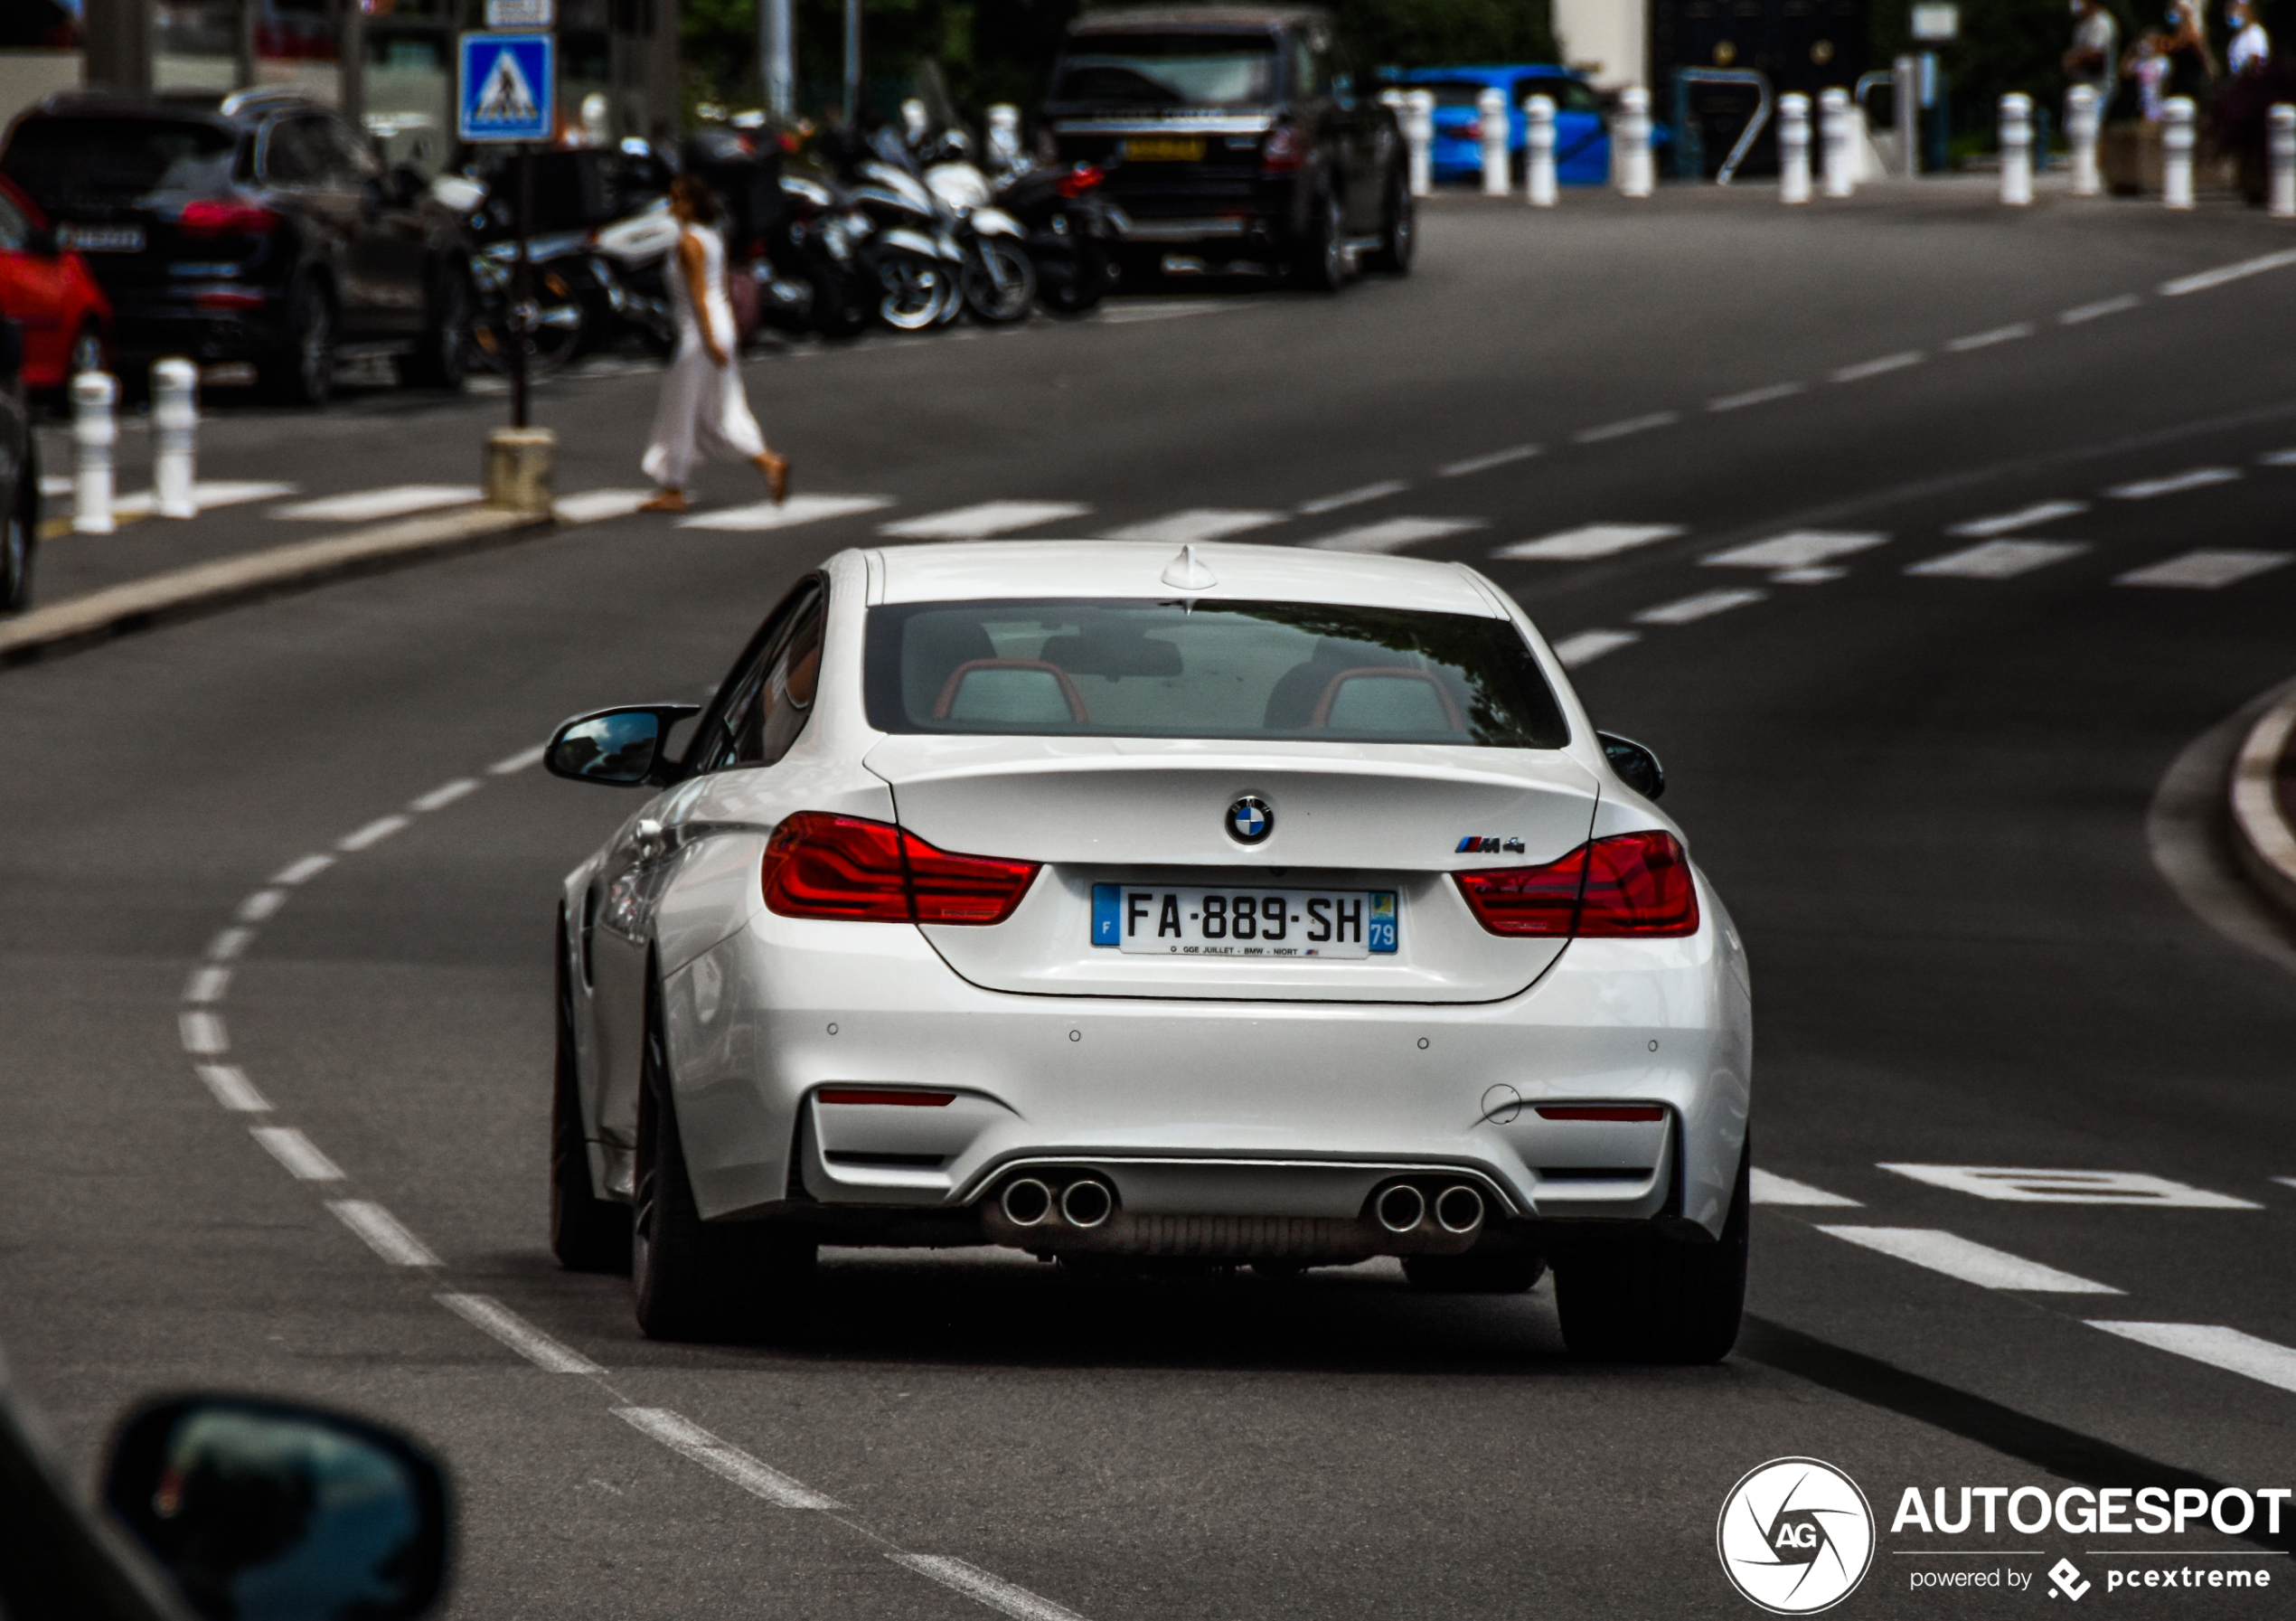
(2261, 838)
(206, 588)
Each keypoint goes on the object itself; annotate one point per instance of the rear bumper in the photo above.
(146, 328)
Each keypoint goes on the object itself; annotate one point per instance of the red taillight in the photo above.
(1601, 1111)
(1468, 132)
(882, 1096)
(1284, 151)
(1635, 884)
(1079, 180)
(818, 865)
(225, 216)
(228, 298)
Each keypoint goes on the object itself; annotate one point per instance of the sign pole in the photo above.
(521, 292)
(507, 94)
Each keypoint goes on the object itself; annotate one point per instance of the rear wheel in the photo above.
(301, 371)
(588, 1234)
(1399, 229)
(443, 361)
(1323, 265)
(15, 548)
(913, 290)
(1650, 1300)
(999, 280)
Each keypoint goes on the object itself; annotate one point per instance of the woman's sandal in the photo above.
(776, 472)
(666, 501)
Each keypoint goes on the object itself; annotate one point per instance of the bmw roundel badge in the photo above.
(1250, 820)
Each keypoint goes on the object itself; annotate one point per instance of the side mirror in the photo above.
(621, 747)
(1636, 766)
(267, 1511)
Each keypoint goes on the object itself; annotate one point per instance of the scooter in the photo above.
(996, 275)
(1071, 233)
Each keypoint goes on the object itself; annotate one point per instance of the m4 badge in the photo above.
(1475, 843)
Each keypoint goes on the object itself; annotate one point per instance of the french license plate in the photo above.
(1160, 921)
(1165, 149)
(101, 239)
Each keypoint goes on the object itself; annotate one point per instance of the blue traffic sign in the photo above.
(509, 89)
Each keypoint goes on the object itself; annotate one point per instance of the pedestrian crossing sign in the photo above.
(509, 87)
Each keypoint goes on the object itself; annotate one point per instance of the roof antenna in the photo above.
(1188, 571)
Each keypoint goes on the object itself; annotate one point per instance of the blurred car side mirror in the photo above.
(621, 747)
(1636, 766)
(271, 1510)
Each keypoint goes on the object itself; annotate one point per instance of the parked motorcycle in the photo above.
(1071, 233)
(995, 275)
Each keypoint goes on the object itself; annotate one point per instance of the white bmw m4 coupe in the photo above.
(1250, 906)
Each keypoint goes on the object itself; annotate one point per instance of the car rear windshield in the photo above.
(1167, 70)
(1303, 672)
(68, 162)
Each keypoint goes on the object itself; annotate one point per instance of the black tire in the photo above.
(839, 308)
(301, 371)
(1508, 1272)
(443, 359)
(18, 538)
(999, 281)
(1399, 229)
(588, 1234)
(691, 1279)
(1071, 286)
(1322, 263)
(1653, 1300)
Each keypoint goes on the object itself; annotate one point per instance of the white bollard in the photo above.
(1539, 154)
(1004, 135)
(2282, 142)
(1418, 133)
(1631, 159)
(174, 437)
(2017, 149)
(1834, 131)
(95, 433)
(1490, 112)
(2081, 136)
(1793, 148)
(2175, 152)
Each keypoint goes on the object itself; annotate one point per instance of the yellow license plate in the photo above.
(1165, 149)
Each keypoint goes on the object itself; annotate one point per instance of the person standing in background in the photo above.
(2192, 65)
(704, 414)
(2251, 46)
(2094, 55)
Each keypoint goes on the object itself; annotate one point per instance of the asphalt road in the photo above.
(1932, 792)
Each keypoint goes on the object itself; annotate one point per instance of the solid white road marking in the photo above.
(2277, 459)
(1815, 575)
(2024, 517)
(2176, 483)
(592, 506)
(1588, 646)
(360, 506)
(446, 794)
(1986, 340)
(304, 870)
(2017, 1185)
(2286, 1181)
(1800, 549)
(1777, 391)
(1875, 368)
(1999, 560)
(207, 984)
(1197, 524)
(297, 1153)
(203, 1033)
(2102, 307)
(1587, 540)
(995, 1591)
(491, 1317)
(260, 905)
(1767, 1187)
(229, 943)
(981, 520)
(2205, 570)
(233, 1089)
(798, 509)
(1354, 497)
(384, 1232)
(2219, 1347)
(514, 764)
(1484, 462)
(1706, 604)
(681, 1435)
(2216, 278)
(1394, 534)
(1619, 430)
(1972, 1262)
(1125, 314)
(205, 495)
(373, 832)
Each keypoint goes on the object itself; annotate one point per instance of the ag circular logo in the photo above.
(1796, 1536)
(1250, 820)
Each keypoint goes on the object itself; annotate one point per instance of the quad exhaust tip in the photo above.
(1458, 1209)
(1086, 1203)
(1026, 1202)
(1401, 1207)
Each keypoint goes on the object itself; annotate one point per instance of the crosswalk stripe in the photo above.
(981, 520)
(1997, 560)
(1798, 549)
(590, 506)
(204, 495)
(796, 510)
(2176, 483)
(1972, 1262)
(2219, 1347)
(2206, 570)
(1767, 1187)
(1684, 610)
(360, 506)
(1588, 646)
(1483, 464)
(1197, 523)
(1393, 535)
(1585, 541)
(2024, 517)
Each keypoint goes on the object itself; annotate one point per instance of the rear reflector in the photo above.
(1634, 885)
(885, 1096)
(226, 216)
(1601, 1111)
(818, 865)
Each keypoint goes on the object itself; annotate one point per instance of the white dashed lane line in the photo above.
(2202, 281)
(2219, 1347)
(1483, 464)
(373, 832)
(1986, 340)
(688, 1439)
(1777, 391)
(511, 765)
(976, 1583)
(297, 1153)
(230, 1087)
(2024, 517)
(207, 984)
(1875, 368)
(304, 870)
(1393, 535)
(203, 1033)
(1587, 541)
(1197, 524)
(1767, 1187)
(440, 798)
(2100, 308)
(1587, 645)
(1704, 605)
(1800, 549)
(384, 1232)
(1619, 430)
(762, 515)
(981, 520)
(228, 944)
(2205, 570)
(260, 905)
(1997, 559)
(489, 1316)
(362, 506)
(2019, 1184)
(2176, 483)
(1354, 497)
(1972, 1262)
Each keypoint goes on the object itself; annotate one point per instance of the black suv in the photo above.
(1234, 139)
(262, 229)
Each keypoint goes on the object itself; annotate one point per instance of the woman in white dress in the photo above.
(703, 414)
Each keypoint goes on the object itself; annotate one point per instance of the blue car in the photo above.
(1582, 137)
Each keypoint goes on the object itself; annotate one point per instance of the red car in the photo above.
(65, 316)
